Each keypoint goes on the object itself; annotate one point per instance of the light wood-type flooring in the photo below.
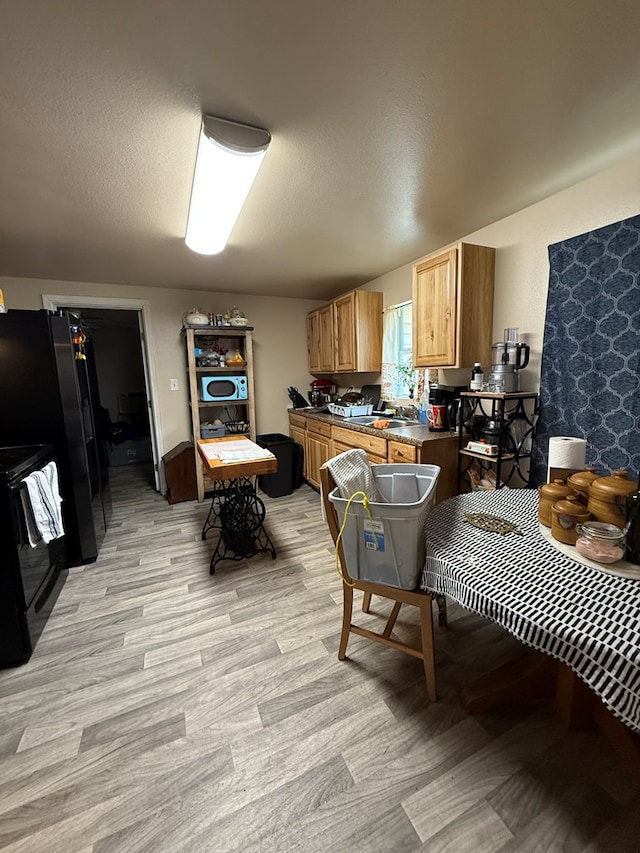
(167, 710)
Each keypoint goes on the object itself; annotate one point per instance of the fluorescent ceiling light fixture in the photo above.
(229, 156)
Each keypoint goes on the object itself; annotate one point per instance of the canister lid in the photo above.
(614, 487)
(554, 491)
(583, 479)
(571, 505)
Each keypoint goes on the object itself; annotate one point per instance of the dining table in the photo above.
(237, 512)
(580, 618)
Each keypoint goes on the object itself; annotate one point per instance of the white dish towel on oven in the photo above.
(44, 497)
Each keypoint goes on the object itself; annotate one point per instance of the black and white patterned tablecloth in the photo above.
(583, 616)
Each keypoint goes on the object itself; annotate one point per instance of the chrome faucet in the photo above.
(409, 412)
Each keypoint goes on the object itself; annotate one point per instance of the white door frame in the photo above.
(141, 306)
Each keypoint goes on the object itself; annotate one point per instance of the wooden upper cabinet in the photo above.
(327, 336)
(453, 307)
(313, 341)
(320, 340)
(345, 319)
(345, 336)
(358, 331)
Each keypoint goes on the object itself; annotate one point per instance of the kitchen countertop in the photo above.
(414, 435)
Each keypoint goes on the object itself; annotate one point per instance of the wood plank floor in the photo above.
(168, 710)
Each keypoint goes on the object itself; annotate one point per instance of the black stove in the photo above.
(32, 571)
(15, 460)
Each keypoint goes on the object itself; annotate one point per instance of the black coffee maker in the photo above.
(449, 397)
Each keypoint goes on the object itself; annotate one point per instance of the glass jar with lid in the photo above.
(604, 543)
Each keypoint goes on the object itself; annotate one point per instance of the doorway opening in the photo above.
(117, 334)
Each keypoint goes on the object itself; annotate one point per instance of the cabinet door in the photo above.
(435, 311)
(319, 450)
(327, 342)
(313, 341)
(300, 437)
(345, 332)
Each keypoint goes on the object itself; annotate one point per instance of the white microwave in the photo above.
(215, 389)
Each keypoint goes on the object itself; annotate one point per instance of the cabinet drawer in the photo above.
(319, 427)
(373, 459)
(376, 446)
(297, 421)
(399, 452)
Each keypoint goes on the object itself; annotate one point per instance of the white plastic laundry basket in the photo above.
(389, 547)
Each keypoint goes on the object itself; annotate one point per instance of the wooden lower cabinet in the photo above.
(399, 452)
(319, 449)
(298, 432)
(443, 452)
(347, 439)
(340, 448)
(321, 441)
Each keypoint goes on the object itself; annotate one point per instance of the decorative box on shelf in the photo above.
(482, 447)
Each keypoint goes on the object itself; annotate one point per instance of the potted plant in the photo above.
(408, 376)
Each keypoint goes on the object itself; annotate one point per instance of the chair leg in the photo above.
(391, 621)
(428, 657)
(347, 609)
(366, 602)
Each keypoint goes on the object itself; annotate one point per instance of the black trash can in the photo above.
(282, 446)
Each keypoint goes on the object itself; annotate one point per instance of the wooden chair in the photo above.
(422, 600)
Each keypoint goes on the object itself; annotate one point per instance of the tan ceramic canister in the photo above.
(608, 497)
(565, 514)
(581, 480)
(548, 495)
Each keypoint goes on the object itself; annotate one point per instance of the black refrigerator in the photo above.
(46, 398)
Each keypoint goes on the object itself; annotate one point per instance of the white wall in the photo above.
(280, 344)
(522, 266)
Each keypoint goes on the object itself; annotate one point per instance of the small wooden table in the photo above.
(236, 510)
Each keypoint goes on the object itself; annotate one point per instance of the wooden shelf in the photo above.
(228, 368)
(487, 456)
(218, 403)
(195, 336)
(499, 395)
(217, 330)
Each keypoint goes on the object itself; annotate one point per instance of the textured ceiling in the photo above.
(398, 126)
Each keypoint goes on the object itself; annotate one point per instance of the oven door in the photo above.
(40, 570)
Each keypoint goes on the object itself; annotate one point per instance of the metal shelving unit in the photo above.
(515, 416)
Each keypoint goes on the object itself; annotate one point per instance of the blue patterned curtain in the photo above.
(589, 383)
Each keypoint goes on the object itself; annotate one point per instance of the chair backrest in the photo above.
(328, 484)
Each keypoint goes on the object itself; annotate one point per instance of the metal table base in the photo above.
(238, 513)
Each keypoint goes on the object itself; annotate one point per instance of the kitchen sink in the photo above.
(368, 420)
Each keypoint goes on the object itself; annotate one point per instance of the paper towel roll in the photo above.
(566, 453)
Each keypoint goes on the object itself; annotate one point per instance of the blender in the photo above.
(508, 358)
